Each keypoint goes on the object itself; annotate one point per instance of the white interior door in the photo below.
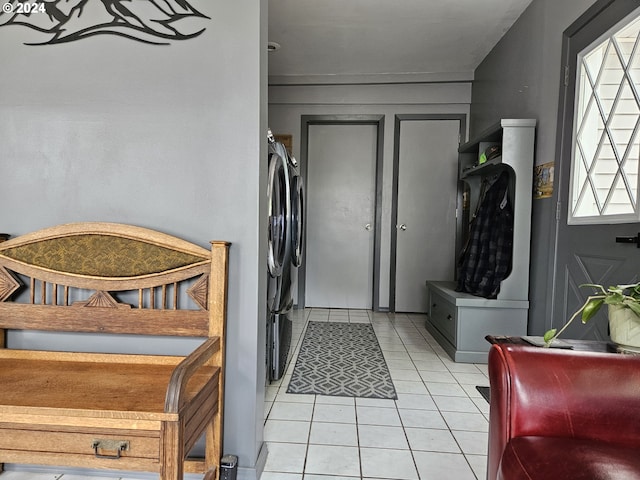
(426, 221)
(341, 195)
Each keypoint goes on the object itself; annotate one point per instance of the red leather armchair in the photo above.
(563, 415)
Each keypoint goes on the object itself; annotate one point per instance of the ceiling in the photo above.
(349, 41)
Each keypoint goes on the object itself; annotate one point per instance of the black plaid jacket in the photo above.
(486, 260)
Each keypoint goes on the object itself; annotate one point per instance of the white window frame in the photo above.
(600, 218)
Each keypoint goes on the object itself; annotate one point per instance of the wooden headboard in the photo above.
(42, 275)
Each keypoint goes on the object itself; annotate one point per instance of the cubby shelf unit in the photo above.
(460, 321)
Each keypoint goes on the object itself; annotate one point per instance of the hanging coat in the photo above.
(486, 261)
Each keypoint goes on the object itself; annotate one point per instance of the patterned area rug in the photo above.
(341, 359)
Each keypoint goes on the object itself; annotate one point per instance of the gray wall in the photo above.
(288, 103)
(521, 78)
(166, 137)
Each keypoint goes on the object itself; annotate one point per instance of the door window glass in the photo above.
(606, 146)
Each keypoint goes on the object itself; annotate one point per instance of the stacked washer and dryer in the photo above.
(285, 250)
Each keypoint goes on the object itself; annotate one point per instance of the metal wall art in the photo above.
(156, 22)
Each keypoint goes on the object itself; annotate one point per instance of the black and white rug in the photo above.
(341, 359)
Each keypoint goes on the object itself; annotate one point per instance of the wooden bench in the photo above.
(133, 412)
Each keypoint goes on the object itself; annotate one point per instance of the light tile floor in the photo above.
(437, 429)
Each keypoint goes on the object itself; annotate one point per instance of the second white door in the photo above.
(426, 226)
(341, 194)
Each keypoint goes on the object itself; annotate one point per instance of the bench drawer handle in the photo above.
(109, 445)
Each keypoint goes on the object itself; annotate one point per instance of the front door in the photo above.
(598, 171)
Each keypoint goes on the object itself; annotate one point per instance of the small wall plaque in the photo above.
(543, 180)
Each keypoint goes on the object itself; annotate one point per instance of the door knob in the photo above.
(635, 240)
(367, 227)
(401, 227)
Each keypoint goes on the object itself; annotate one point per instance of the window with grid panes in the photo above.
(606, 147)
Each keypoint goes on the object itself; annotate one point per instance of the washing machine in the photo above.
(285, 192)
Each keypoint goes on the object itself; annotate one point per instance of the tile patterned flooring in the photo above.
(437, 429)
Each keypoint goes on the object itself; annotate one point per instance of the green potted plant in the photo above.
(624, 314)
